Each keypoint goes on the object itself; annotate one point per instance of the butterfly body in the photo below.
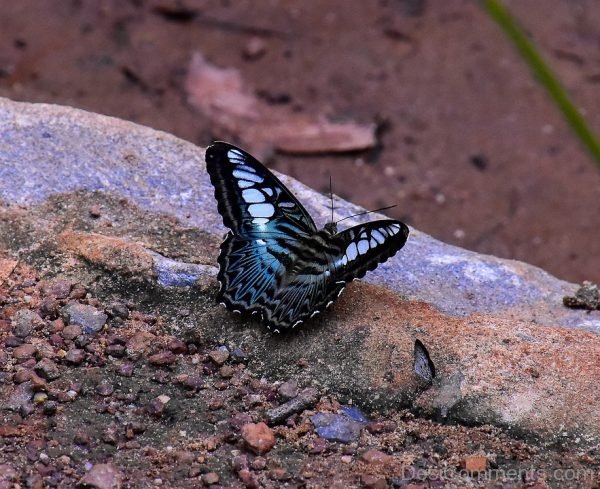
(274, 262)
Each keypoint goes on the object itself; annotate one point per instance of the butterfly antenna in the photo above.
(368, 212)
(331, 196)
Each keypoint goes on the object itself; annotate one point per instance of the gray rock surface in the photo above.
(47, 150)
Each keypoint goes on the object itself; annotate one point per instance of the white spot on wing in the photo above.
(288, 205)
(245, 184)
(328, 304)
(372, 243)
(261, 242)
(261, 210)
(363, 246)
(297, 323)
(268, 191)
(351, 251)
(247, 176)
(341, 290)
(252, 195)
(380, 238)
(235, 156)
(260, 220)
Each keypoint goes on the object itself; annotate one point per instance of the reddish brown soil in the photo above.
(473, 151)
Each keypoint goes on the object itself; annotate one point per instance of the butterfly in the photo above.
(424, 366)
(274, 262)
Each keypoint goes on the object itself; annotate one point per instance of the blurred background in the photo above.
(424, 104)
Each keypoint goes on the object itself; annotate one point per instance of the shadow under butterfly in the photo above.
(424, 366)
(274, 262)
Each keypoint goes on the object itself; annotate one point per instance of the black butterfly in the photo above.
(274, 262)
(424, 366)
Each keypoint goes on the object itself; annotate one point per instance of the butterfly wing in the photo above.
(252, 201)
(424, 366)
(364, 247)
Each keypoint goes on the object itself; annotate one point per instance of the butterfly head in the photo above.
(330, 228)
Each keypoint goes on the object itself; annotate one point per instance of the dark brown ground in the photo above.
(472, 151)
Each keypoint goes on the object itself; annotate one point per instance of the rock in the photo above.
(139, 343)
(248, 479)
(254, 49)
(172, 273)
(474, 464)
(258, 437)
(20, 395)
(89, 318)
(219, 357)
(373, 456)
(104, 389)
(373, 482)
(177, 347)
(47, 369)
(25, 321)
(75, 356)
(156, 407)
(102, 476)
(24, 352)
(60, 289)
(49, 308)
(305, 400)
(71, 332)
(8, 473)
(288, 390)
(336, 427)
(162, 358)
(210, 478)
(116, 351)
(118, 310)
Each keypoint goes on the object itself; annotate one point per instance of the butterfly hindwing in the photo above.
(253, 201)
(367, 245)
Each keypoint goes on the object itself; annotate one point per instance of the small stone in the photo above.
(258, 437)
(210, 478)
(248, 479)
(156, 407)
(71, 332)
(116, 351)
(318, 446)
(305, 400)
(177, 347)
(81, 438)
(279, 474)
(374, 456)
(238, 355)
(75, 356)
(219, 357)
(373, 482)
(475, 463)
(78, 292)
(104, 389)
(254, 49)
(37, 383)
(8, 474)
(95, 211)
(50, 408)
(102, 476)
(56, 340)
(239, 462)
(25, 321)
(288, 390)
(139, 343)
(126, 369)
(60, 289)
(22, 375)
(24, 352)
(259, 463)
(118, 310)
(336, 427)
(215, 404)
(47, 369)
(40, 398)
(49, 307)
(88, 317)
(162, 358)
(13, 341)
(226, 371)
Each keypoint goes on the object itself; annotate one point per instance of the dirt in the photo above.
(133, 406)
(470, 147)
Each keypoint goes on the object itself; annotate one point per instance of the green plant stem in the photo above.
(533, 58)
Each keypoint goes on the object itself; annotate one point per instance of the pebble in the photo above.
(117, 309)
(24, 352)
(259, 463)
(239, 462)
(60, 289)
(288, 390)
(75, 356)
(104, 388)
(71, 332)
(248, 479)
(475, 463)
(126, 369)
(47, 369)
(258, 437)
(156, 407)
(219, 357)
(279, 474)
(88, 317)
(177, 347)
(369, 481)
(305, 400)
(254, 49)
(24, 322)
(49, 307)
(210, 478)
(318, 445)
(162, 358)
(226, 371)
(22, 375)
(238, 355)
(336, 427)
(40, 398)
(116, 351)
(373, 456)
(50, 407)
(102, 476)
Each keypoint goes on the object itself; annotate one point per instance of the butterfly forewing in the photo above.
(253, 201)
(274, 262)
